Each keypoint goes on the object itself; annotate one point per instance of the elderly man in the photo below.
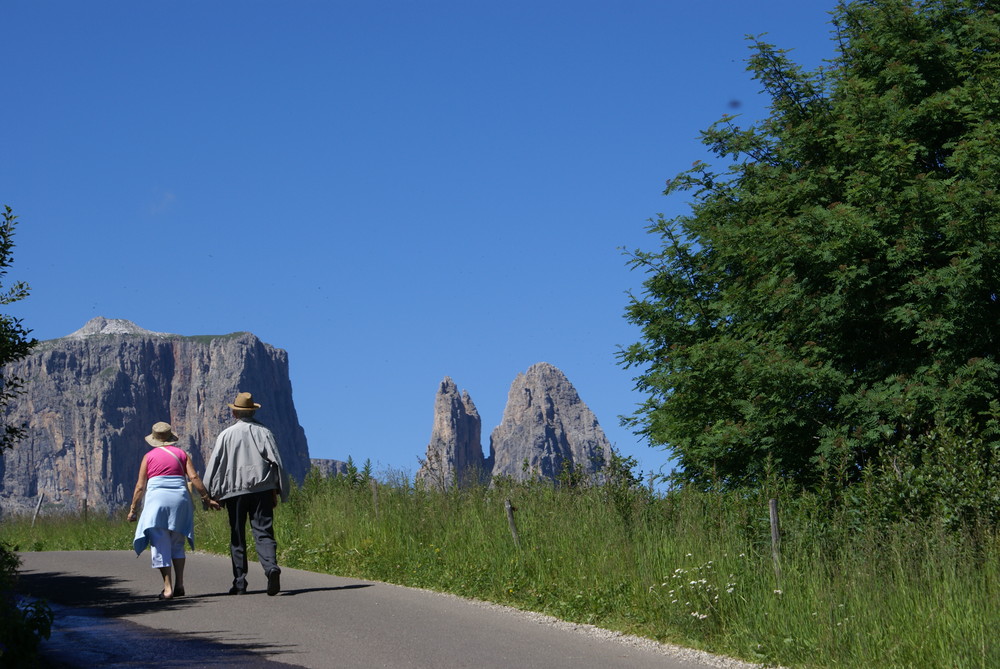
(245, 474)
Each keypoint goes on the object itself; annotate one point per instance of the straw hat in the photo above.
(162, 435)
(244, 402)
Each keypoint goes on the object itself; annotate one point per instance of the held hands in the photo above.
(132, 517)
(213, 505)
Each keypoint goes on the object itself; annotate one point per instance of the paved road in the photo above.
(108, 615)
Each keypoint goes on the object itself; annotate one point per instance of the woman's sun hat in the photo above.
(162, 435)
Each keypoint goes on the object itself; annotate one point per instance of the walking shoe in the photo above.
(237, 591)
(273, 582)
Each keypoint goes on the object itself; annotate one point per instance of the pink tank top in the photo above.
(160, 462)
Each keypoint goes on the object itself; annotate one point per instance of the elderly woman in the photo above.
(167, 513)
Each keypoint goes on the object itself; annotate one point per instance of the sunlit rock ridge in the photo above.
(455, 452)
(545, 428)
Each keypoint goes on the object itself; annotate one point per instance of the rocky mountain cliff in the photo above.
(328, 467)
(545, 424)
(92, 397)
(545, 427)
(455, 452)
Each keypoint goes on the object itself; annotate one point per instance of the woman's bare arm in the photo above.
(200, 487)
(140, 489)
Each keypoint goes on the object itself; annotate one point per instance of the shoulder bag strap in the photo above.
(174, 456)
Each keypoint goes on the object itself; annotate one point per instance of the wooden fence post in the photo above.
(775, 538)
(510, 521)
(38, 506)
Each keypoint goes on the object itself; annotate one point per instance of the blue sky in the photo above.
(393, 192)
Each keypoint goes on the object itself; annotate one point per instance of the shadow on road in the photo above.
(87, 634)
(356, 586)
(89, 592)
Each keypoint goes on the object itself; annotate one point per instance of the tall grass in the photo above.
(687, 567)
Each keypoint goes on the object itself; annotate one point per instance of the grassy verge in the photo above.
(687, 567)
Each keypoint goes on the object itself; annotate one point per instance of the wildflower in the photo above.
(778, 593)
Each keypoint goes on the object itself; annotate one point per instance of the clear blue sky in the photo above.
(393, 192)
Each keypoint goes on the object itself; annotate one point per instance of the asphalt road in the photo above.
(107, 615)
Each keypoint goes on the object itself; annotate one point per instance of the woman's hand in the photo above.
(132, 517)
(213, 505)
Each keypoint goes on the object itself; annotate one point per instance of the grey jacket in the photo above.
(245, 460)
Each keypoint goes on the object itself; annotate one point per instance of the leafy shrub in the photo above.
(22, 625)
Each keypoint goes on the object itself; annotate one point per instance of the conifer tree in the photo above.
(14, 340)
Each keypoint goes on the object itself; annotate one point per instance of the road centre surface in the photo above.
(108, 615)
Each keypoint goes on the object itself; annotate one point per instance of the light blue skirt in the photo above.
(167, 506)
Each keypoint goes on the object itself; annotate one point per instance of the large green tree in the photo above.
(15, 342)
(831, 298)
(22, 626)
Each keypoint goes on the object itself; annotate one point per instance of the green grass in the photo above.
(687, 567)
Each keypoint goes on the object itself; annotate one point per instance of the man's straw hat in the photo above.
(244, 402)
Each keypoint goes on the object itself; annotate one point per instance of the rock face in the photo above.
(545, 427)
(545, 424)
(91, 398)
(455, 452)
(329, 467)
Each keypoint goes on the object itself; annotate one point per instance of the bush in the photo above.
(22, 625)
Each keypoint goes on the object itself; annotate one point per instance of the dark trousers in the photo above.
(259, 508)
